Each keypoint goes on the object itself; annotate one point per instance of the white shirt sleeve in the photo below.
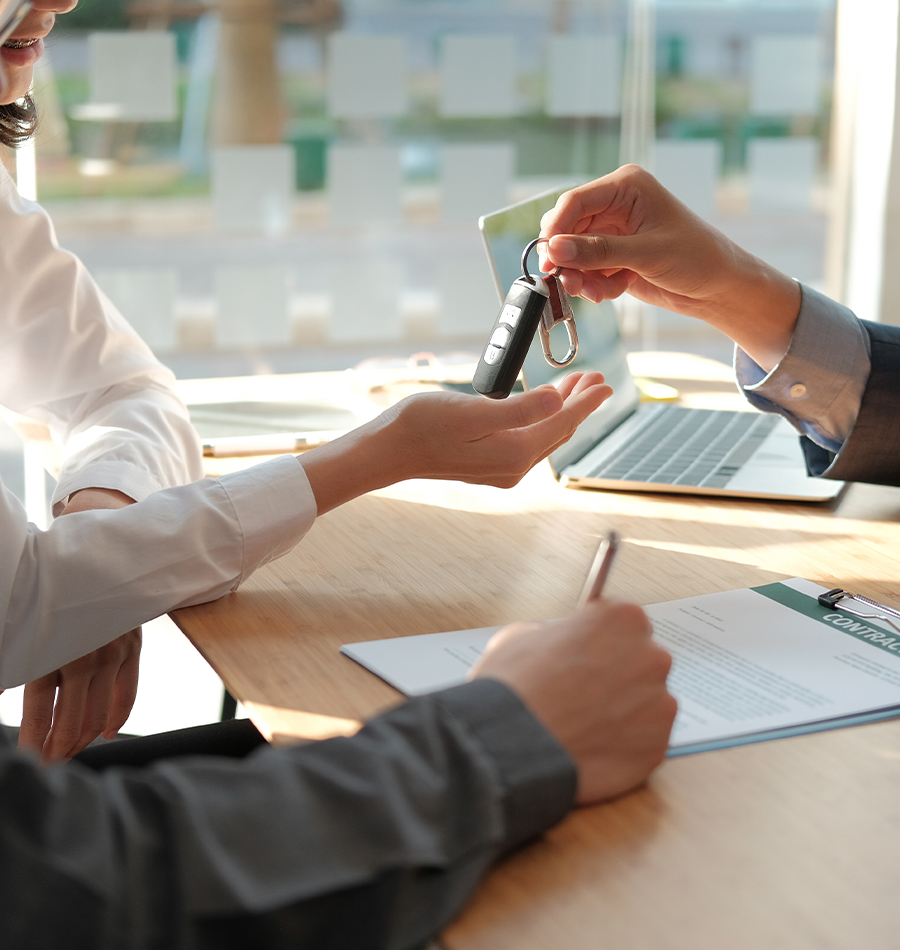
(819, 383)
(70, 360)
(93, 575)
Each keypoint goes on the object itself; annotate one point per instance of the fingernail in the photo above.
(563, 249)
(551, 401)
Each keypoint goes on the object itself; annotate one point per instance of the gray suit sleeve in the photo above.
(365, 842)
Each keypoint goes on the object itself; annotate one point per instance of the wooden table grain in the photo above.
(788, 844)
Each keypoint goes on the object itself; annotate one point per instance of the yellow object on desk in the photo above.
(652, 391)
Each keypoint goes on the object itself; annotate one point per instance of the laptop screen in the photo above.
(600, 346)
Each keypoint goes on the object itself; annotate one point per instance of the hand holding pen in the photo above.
(595, 680)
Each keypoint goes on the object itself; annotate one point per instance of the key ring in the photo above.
(531, 246)
(558, 313)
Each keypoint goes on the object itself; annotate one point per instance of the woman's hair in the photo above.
(18, 121)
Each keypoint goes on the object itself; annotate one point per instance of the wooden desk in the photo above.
(790, 844)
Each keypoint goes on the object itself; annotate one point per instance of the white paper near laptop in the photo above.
(748, 665)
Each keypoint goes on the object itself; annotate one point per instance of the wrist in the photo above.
(368, 458)
(759, 311)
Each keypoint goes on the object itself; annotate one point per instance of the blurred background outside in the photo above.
(269, 186)
(278, 186)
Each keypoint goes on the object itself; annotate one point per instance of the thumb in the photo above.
(523, 409)
(588, 252)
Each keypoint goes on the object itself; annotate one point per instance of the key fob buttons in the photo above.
(500, 337)
(510, 315)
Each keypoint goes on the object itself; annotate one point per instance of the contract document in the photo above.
(748, 665)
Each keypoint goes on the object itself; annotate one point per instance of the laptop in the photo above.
(631, 445)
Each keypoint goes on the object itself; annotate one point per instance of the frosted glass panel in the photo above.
(785, 75)
(781, 174)
(468, 303)
(478, 76)
(584, 75)
(475, 180)
(365, 301)
(253, 187)
(251, 307)
(366, 76)
(364, 184)
(146, 298)
(135, 72)
(690, 170)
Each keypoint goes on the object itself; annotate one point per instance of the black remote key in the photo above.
(510, 339)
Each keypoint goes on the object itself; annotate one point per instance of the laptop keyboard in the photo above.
(699, 447)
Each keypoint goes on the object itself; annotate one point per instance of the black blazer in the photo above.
(872, 450)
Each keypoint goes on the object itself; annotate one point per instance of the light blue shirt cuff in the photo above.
(819, 383)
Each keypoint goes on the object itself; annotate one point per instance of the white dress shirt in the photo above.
(69, 359)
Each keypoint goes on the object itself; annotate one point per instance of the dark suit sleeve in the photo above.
(871, 453)
(365, 842)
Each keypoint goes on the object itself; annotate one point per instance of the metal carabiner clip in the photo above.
(558, 310)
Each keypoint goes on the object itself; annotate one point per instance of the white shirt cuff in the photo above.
(818, 384)
(275, 507)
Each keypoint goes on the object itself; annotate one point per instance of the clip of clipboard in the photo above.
(835, 600)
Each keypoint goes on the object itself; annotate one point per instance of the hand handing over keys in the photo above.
(625, 232)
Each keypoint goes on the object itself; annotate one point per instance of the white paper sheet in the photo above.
(746, 665)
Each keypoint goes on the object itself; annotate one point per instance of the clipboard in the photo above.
(835, 599)
(750, 665)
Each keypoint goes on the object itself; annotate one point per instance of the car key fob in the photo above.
(511, 336)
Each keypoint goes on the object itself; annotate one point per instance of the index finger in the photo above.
(68, 716)
(596, 197)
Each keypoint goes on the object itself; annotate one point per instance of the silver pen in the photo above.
(596, 579)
